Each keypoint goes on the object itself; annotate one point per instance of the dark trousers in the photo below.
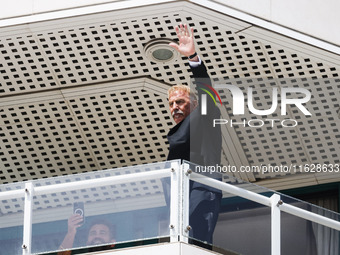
(204, 216)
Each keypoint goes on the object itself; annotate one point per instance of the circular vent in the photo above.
(159, 51)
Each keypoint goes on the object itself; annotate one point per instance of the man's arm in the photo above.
(74, 222)
(186, 47)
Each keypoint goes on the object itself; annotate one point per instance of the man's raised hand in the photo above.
(186, 44)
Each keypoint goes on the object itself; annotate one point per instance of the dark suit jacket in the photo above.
(195, 139)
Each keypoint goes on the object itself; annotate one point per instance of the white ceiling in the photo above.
(78, 94)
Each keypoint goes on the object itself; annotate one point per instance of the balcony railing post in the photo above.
(27, 230)
(275, 225)
(184, 215)
(174, 202)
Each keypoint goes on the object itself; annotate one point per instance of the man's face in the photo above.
(99, 234)
(180, 105)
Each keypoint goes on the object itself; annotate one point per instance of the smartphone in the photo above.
(78, 208)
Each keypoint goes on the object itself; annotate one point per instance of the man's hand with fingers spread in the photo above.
(186, 44)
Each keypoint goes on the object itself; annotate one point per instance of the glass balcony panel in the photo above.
(244, 227)
(137, 211)
(11, 221)
(301, 236)
(241, 224)
(133, 210)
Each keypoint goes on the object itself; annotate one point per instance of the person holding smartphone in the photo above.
(100, 233)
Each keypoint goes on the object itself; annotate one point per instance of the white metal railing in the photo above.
(180, 176)
(276, 205)
(267, 201)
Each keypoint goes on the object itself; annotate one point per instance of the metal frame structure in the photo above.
(180, 176)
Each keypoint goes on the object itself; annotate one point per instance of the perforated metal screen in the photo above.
(79, 94)
(84, 133)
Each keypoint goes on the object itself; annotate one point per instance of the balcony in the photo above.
(144, 215)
